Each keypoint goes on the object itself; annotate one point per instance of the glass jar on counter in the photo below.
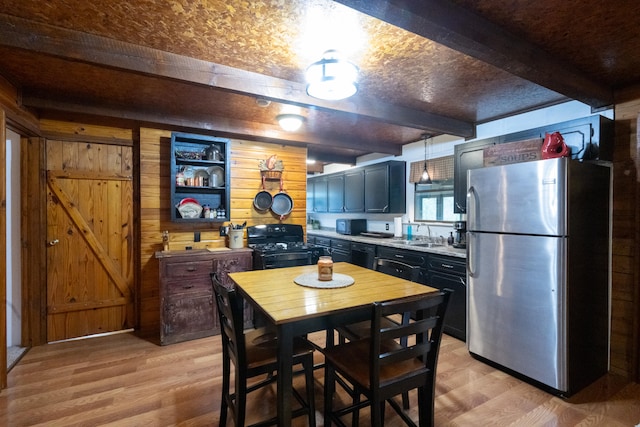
(325, 268)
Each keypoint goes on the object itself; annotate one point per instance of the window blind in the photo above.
(440, 169)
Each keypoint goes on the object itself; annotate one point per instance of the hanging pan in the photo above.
(263, 200)
(282, 204)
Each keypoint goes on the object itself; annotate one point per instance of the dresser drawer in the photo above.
(189, 285)
(181, 268)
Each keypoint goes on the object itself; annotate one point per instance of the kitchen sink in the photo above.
(424, 243)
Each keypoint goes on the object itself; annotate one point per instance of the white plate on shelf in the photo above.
(218, 172)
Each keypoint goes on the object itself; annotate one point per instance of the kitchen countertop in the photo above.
(391, 242)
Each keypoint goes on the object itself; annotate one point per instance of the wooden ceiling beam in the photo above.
(77, 46)
(446, 23)
(224, 126)
(324, 157)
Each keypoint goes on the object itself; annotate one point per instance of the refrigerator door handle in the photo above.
(470, 263)
(472, 208)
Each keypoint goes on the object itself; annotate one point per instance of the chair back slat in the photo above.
(412, 328)
(408, 353)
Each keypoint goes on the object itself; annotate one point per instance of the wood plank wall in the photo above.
(155, 210)
(625, 315)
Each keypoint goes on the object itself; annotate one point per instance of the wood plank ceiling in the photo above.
(430, 66)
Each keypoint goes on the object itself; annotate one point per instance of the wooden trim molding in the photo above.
(34, 255)
(3, 251)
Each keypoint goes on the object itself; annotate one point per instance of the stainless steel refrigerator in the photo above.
(538, 270)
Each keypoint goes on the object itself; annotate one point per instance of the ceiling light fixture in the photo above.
(290, 122)
(425, 178)
(332, 78)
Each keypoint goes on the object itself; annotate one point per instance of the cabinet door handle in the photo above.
(191, 269)
(187, 287)
(446, 265)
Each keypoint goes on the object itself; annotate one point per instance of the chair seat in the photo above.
(342, 358)
(356, 331)
(262, 348)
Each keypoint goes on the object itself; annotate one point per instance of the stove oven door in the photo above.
(282, 259)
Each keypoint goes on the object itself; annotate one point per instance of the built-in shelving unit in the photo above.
(200, 171)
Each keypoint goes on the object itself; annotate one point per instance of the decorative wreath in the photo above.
(271, 168)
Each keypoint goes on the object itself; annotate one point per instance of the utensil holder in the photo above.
(236, 239)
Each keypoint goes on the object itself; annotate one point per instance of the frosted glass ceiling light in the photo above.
(290, 122)
(332, 78)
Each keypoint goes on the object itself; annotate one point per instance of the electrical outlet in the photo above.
(386, 226)
(196, 236)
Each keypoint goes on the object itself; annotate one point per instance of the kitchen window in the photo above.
(434, 202)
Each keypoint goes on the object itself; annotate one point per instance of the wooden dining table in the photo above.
(300, 309)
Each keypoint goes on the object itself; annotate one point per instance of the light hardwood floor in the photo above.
(122, 380)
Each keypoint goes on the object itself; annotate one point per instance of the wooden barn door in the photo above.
(89, 239)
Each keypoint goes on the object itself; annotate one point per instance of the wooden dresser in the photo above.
(187, 306)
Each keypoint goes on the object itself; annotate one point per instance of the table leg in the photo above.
(285, 374)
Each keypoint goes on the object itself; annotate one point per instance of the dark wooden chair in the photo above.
(254, 353)
(387, 368)
(360, 330)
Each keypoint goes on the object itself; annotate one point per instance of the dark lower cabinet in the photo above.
(438, 271)
(340, 250)
(450, 272)
(187, 307)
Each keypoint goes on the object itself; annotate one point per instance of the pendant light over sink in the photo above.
(425, 178)
(332, 78)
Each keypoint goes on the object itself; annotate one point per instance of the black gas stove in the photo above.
(281, 245)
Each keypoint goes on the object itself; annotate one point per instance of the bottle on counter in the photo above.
(450, 239)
